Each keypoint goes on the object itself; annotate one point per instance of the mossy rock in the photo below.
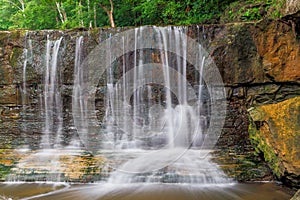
(15, 56)
(275, 132)
(261, 146)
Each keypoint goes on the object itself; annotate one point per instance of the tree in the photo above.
(109, 12)
(20, 4)
(62, 14)
(12, 11)
(36, 18)
(6, 11)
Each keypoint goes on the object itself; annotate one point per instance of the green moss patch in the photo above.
(261, 146)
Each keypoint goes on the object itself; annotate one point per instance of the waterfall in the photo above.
(78, 97)
(52, 97)
(27, 54)
(44, 164)
(172, 117)
(158, 108)
(158, 136)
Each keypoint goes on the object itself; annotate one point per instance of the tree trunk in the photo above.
(62, 13)
(111, 20)
(109, 13)
(89, 14)
(59, 12)
(95, 16)
(21, 8)
(80, 14)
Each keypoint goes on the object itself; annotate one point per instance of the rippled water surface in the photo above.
(265, 191)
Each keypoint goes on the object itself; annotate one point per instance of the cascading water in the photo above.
(52, 98)
(78, 97)
(156, 121)
(157, 114)
(27, 53)
(159, 106)
(44, 164)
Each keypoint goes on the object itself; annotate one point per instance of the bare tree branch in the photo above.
(14, 4)
(104, 8)
(109, 13)
(61, 12)
(111, 6)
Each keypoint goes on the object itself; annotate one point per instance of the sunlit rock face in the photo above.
(279, 52)
(259, 64)
(291, 7)
(275, 131)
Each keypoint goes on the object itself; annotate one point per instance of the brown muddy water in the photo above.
(104, 191)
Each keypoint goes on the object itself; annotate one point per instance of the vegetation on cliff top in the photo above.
(62, 14)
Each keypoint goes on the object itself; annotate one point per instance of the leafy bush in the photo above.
(46, 14)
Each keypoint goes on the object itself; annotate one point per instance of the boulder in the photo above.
(275, 132)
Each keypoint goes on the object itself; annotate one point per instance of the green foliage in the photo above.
(251, 14)
(179, 12)
(277, 6)
(63, 14)
(252, 10)
(7, 10)
(38, 16)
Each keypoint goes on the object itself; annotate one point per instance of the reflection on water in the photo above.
(103, 191)
(22, 190)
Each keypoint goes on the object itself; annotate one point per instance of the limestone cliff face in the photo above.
(259, 63)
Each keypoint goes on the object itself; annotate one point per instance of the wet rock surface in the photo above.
(259, 63)
(235, 153)
(275, 132)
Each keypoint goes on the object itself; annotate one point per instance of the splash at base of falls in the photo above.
(176, 165)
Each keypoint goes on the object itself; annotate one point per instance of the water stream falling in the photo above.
(156, 119)
(158, 106)
(52, 97)
(78, 94)
(27, 54)
(44, 164)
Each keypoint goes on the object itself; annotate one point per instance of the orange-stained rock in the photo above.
(279, 49)
(267, 51)
(278, 130)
